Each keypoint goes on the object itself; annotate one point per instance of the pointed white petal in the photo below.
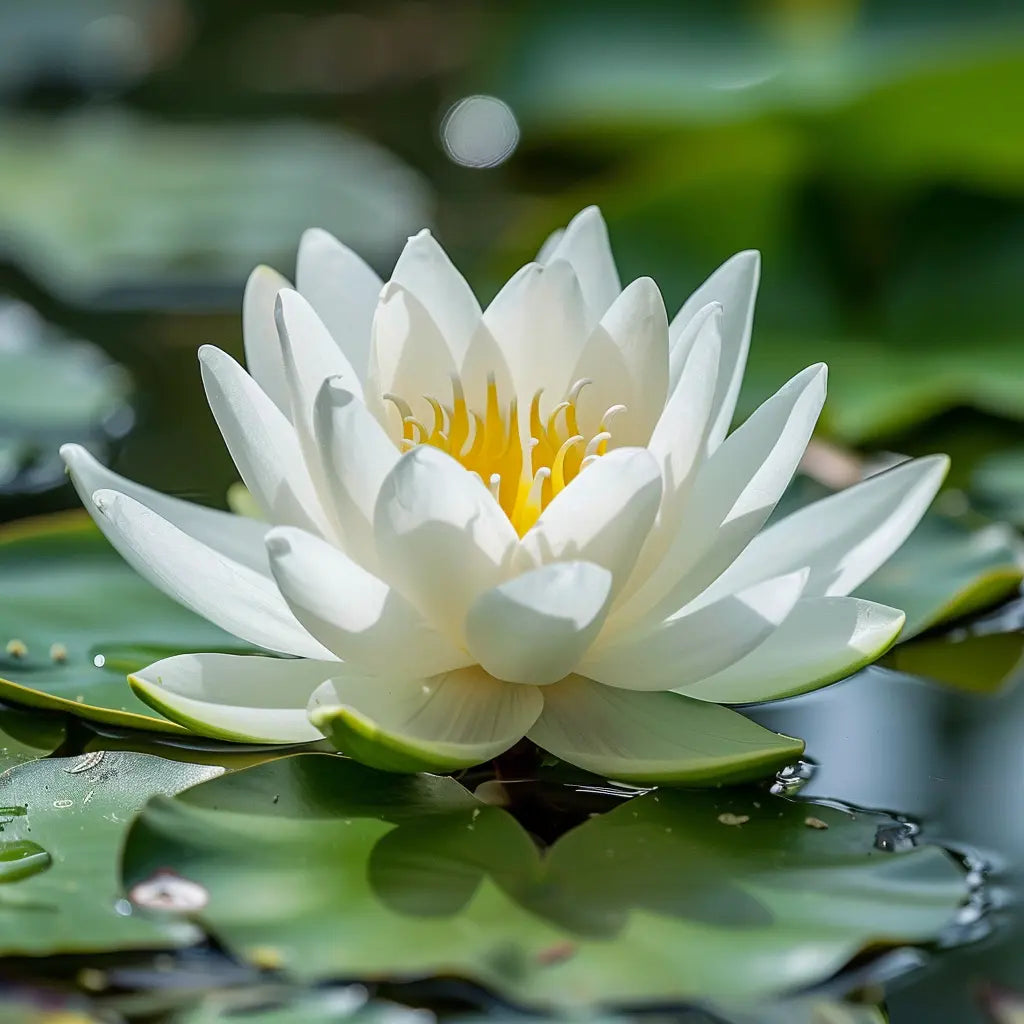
(603, 516)
(546, 250)
(434, 724)
(697, 641)
(538, 321)
(442, 539)
(262, 349)
(585, 247)
(732, 497)
(357, 454)
(237, 537)
(262, 443)
(342, 289)
(425, 271)
(823, 639)
(845, 537)
(352, 613)
(734, 285)
(535, 628)
(409, 357)
(651, 738)
(230, 595)
(247, 699)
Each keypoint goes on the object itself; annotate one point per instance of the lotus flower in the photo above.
(530, 520)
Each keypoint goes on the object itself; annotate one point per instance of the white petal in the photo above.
(734, 285)
(262, 443)
(548, 247)
(441, 723)
(425, 271)
(237, 537)
(409, 358)
(626, 357)
(732, 497)
(357, 454)
(262, 349)
(230, 595)
(603, 516)
(352, 613)
(441, 538)
(823, 639)
(342, 289)
(697, 641)
(535, 628)
(538, 321)
(585, 247)
(233, 697)
(845, 537)
(652, 738)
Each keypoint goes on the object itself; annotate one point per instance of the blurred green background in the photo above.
(152, 151)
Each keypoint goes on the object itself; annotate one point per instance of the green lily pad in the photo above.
(982, 664)
(24, 736)
(64, 585)
(326, 868)
(63, 820)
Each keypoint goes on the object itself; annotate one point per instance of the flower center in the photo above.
(523, 472)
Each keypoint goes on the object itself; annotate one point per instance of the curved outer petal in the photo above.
(734, 494)
(822, 640)
(425, 271)
(535, 628)
(625, 358)
(441, 538)
(262, 349)
(244, 698)
(262, 443)
(357, 455)
(845, 537)
(603, 516)
(539, 323)
(696, 643)
(230, 595)
(409, 357)
(734, 285)
(237, 537)
(438, 724)
(585, 247)
(343, 290)
(651, 738)
(352, 613)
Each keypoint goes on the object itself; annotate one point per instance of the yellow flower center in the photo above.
(523, 474)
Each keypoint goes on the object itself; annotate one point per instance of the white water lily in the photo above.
(529, 520)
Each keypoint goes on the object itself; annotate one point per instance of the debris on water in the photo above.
(266, 958)
(86, 762)
(58, 653)
(167, 890)
(791, 779)
(728, 818)
(896, 836)
(812, 822)
(17, 648)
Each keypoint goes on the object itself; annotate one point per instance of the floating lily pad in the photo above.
(63, 820)
(974, 664)
(24, 736)
(52, 389)
(325, 868)
(64, 585)
(163, 213)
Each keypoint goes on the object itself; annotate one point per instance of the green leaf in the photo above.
(63, 584)
(981, 664)
(283, 1006)
(63, 821)
(24, 736)
(326, 868)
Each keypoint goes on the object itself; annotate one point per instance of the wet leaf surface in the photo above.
(328, 869)
(25, 735)
(64, 585)
(63, 821)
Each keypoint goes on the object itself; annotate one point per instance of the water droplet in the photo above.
(479, 131)
(63, 805)
(123, 908)
(896, 836)
(791, 779)
(167, 890)
(99, 661)
(21, 858)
